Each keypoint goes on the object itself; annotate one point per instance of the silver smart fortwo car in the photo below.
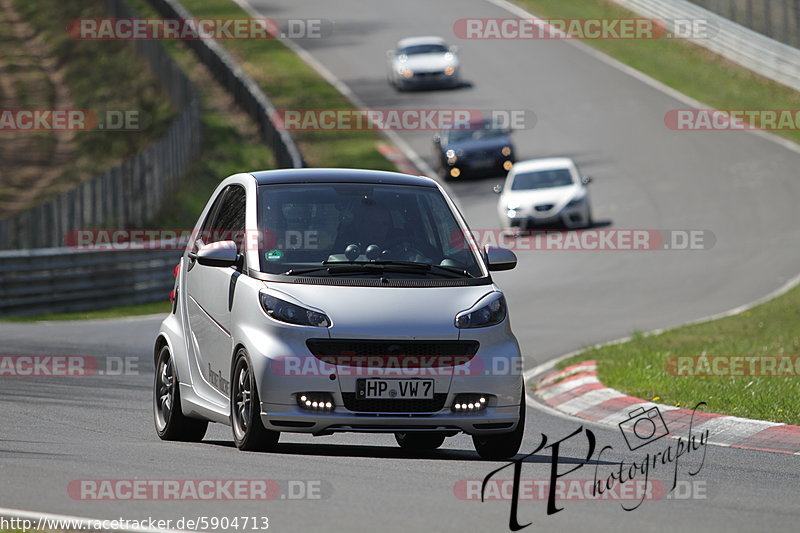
(335, 300)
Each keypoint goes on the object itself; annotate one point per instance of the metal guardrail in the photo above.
(779, 19)
(58, 280)
(759, 53)
(245, 91)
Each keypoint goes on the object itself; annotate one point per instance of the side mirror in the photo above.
(454, 49)
(497, 189)
(500, 258)
(389, 54)
(587, 180)
(437, 139)
(218, 254)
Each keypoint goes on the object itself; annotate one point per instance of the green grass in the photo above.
(113, 312)
(686, 67)
(773, 328)
(291, 84)
(99, 75)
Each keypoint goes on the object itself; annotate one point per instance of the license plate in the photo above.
(395, 389)
(483, 163)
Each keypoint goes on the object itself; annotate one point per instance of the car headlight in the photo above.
(449, 71)
(576, 201)
(451, 154)
(283, 311)
(506, 151)
(490, 314)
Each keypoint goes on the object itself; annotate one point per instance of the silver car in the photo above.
(334, 300)
(423, 62)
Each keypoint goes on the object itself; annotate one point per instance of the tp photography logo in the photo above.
(628, 481)
(643, 427)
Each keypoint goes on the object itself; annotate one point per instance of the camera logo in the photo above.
(645, 427)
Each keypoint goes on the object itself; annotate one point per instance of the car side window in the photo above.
(226, 219)
(207, 228)
(229, 222)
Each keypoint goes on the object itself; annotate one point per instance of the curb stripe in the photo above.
(583, 395)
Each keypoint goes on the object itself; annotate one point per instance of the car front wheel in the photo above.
(504, 445)
(171, 424)
(249, 434)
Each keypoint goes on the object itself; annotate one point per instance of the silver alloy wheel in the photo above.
(242, 398)
(166, 390)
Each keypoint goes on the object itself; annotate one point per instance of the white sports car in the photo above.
(335, 300)
(540, 192)
(423, 62)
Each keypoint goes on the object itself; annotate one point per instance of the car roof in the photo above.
(338, 175)
(546, 163)
(415, 41)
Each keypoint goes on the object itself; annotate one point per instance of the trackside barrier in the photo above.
(57, 280)
(755, 51)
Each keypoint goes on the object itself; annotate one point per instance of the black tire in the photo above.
(504, 445)
(590, 219)
(249, 434)
(171, 424)
(419, 441)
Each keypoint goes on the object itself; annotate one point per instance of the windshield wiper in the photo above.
(336, 267)
(406, 266)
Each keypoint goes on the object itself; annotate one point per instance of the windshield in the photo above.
(424, 49)
(322, 226)
(542, 179)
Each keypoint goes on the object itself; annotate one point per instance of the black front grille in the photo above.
(397, 348)
(544, 207)
(352, 403)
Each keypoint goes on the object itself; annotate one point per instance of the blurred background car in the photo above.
(423, 62)
(545, 192)
(481, 148)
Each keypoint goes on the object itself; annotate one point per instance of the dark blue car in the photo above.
(479, 149)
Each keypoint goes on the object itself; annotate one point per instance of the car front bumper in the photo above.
(569, 217)
(294, 419)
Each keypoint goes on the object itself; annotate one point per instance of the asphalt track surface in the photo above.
(742, 187)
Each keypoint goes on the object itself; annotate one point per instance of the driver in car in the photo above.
(375, 227)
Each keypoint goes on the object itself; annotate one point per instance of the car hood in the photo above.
(475, 145)
(555, 196)
(387, 312)
(427, 62)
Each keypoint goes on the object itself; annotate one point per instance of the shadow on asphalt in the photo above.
(387, 452)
